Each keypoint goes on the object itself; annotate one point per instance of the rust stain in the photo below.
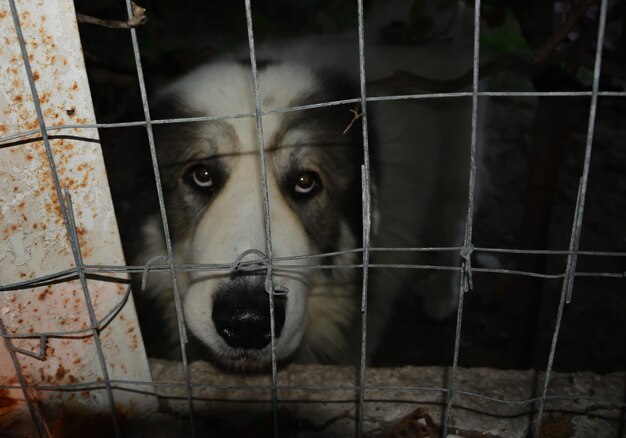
(60, 372)
(73, 159)
(42, 295)
(6, 401)
(44, 97)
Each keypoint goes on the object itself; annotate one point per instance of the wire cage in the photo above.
(98, 364)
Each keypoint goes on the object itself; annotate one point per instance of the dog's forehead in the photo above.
(227, 89)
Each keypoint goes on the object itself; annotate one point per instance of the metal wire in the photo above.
(568, 281)
(38, 422)
(90, 308)
(71, 274)
(269, 281)
(466, 253)
(268, 263)
(366, 191)
(127, 385)
(68, 219)
(182, 331)
(24, 134)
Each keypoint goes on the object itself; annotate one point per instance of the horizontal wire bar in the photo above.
(119, 306)
(71, 274)
(12, 137)
(98, 325)
(119, 386)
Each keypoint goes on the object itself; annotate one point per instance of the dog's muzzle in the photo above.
(241, 314)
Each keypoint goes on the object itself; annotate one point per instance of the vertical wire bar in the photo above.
(182, 331)
(93, 320)
(580, 204)
(367, 215)
(67, 218)
(465, 281)
(269, 283)
(34, 414)
(568, 281)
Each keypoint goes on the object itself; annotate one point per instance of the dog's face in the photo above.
(213, 183)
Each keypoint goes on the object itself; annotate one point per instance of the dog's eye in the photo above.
(200, 176)
(306, 184)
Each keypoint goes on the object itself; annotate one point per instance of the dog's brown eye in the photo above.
(201, 177)
(307, 183)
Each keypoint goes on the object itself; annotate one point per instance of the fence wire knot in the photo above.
(466, 268)
(236, 265)
(43, 345)
(146, 269)
(263, 262)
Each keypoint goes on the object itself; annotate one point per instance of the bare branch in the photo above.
(357, 116)
(139, 17)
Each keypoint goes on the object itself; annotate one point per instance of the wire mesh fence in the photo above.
(265, 260)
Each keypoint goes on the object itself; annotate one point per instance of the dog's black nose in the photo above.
(241, 314)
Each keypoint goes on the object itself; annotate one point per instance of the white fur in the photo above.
(234, 222)
(413, 174)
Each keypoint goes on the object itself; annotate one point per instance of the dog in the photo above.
(214, 194)
(214, 191)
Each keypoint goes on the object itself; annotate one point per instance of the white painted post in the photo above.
(34, 237)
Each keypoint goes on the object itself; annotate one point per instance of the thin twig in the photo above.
(357, 116)
(139, 17)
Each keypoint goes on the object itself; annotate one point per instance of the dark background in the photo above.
(534, 157)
